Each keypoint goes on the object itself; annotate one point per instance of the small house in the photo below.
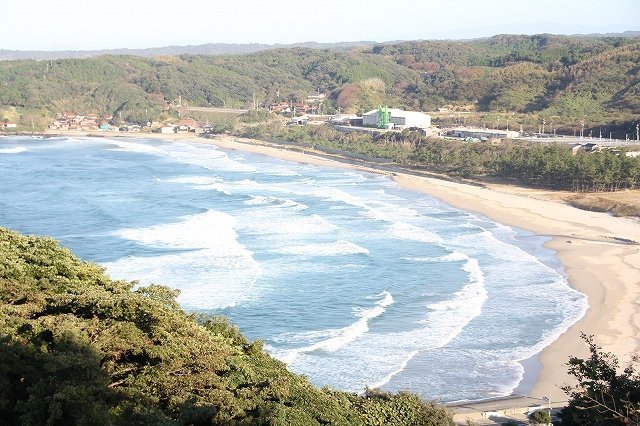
(576, 148)
(300, 121)
(591, 147)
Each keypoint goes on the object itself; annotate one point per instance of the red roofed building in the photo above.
(187, 125)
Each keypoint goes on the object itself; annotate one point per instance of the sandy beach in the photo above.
(593, 247)
(600, 254)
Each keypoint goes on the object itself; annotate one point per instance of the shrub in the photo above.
(540, 417)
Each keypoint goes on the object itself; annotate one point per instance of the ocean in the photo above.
(347, 277)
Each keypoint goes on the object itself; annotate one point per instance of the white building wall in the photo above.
(416, 119)
(399, 118)
(370, 119)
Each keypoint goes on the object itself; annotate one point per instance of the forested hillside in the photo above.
(521, 73)
(79, 348)
(553, 76)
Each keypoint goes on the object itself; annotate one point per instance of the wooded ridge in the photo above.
(566, 78)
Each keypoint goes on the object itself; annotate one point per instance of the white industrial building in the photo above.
(398, 118)
(483, 134)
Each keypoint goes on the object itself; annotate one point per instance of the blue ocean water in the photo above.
(347, 277)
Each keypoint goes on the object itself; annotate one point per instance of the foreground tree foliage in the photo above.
(79, 348)
(603, 395)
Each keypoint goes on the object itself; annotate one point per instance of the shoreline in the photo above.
(599, 253)
(591, 246)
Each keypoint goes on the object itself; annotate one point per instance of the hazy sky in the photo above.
(89, 24)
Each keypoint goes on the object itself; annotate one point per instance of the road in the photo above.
(499, 410)
(220, 110)
(569, 140)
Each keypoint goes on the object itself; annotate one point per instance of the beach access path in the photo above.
(600, 253)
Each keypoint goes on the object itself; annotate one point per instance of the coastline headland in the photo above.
(600, 253)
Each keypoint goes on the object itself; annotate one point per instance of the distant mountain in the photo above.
(203, 49)
(233, 48)
(625, 34)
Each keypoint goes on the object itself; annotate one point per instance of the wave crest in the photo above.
(341, 337)
(15, 150)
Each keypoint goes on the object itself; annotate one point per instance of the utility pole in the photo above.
(582, 129)
(637, 132)
(543, 123)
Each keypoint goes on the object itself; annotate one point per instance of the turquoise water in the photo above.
(347, 277)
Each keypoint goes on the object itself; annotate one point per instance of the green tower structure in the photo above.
(384, 117)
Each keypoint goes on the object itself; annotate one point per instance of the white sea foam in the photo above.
(377, 357)
(444, 321)
(15, 150)
(386, 379)
(135, 147)
(277, 221)
(337, 248)
(280, 171)
(211, 230)
(341, 337)
(284, 271)
(214, 270)
(456, 256)
(257, 200)
(407, 231)
(209, 157)
(468, 301)
(523, 276)
(195, 180)
(370, 207)
(202, 183)
(573, 309)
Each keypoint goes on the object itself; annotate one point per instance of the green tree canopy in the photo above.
(79, 348)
